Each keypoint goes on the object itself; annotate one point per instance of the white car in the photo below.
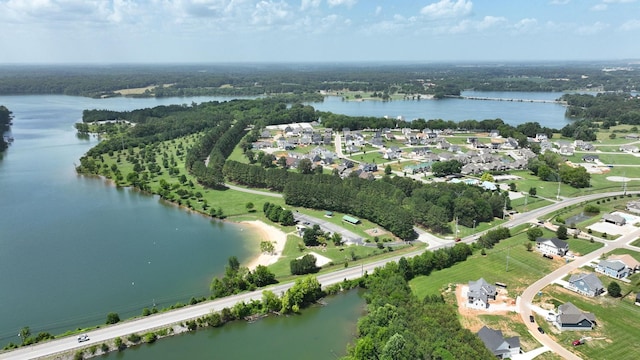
(83, 338)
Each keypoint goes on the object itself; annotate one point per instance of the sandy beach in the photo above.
(267, 233)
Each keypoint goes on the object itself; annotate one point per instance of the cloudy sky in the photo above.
(216, 31)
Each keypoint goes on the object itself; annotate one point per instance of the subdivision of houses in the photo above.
(571, 318)
(501, 347)
(634, 206)
(586, 284)
(553, 246)
(479, 294)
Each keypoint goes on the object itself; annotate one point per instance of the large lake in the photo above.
(74, 248)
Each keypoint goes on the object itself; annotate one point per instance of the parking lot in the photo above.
(347, 236)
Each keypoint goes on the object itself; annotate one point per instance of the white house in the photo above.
(479, 294)
(553, 246)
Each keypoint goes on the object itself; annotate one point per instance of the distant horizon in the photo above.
(317, 31)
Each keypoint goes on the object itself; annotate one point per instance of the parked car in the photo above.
(531, 318)
(541, 330)
(547, 256)
(577, 342)
(83, 338)
(458, 239)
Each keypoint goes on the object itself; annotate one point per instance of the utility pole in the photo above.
(504, 210)
(558, 196)
(526, 196)
(508, 250)
(624, 183)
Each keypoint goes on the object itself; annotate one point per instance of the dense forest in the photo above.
(258, 79)
(609, 109)
(5, 121)
(400, 326)
(396, 203)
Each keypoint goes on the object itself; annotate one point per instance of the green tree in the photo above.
(282, 162)
(533, 191)
(534, 233)
(614, 289)
(305, 166)
(561, 232)
(267, 247)
(387, 170)
(250, 206)
(112, 318)
(24, 334)
(487, 177)
(512, 186)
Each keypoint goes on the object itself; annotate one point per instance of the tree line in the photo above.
(400, 326)
(5, 120)
(396, 203)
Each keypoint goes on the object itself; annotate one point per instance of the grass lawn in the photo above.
(336, 219)
(582, 246)
(615, 337)
(532, 203)
(524, 268)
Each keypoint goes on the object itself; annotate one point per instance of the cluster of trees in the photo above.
(304, 265)
(237, 279)
(314, 236)
(493, 237)
(395, 203)
(551, 166)
(28, 339)
(276, 213)
(400, 326)
(5, 120)
(608, 109)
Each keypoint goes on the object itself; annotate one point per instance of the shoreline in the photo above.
(266, 232)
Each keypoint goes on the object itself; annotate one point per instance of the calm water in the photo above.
(513, 113)
(73, 249)
(318, 333)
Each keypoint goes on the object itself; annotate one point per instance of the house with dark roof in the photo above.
(479, 294)
(553, 246)
(586, 284)
(571, 318)
(501, 347)
(614, 219)
(590, 158)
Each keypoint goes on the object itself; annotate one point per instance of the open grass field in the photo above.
(524, 267)
(532, 203)
(617, 331)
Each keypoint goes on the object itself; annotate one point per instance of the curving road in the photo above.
(143, 325)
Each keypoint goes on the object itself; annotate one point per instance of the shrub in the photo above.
(134, 338)
(113, 318)
(104, 348)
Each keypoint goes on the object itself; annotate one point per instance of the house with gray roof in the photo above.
(553, 246)
(614, 219)
(571, 318)
(586, 284)
(618, 266)
(479, 294)
(634, 206)
(501, 347)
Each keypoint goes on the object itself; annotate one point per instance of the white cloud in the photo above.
(378, 10)
(592, 29)
(630, 25)
(347, 3)
(309, 4)
(447, 9)
(618, 1)
(559, 2)
(269, 12)
(525, 24)
(72, 12)
(599, 7)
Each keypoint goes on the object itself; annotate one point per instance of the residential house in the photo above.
(566, 150)
(614, 219)
(510, 144)
(629, 148)
(265, 134)
(634, 206)
(618, 266)
(586, 284)
(494, 133)
(553, 246)
(541, 137)
(488, 185)
(632, 137)
(369, 167)
(479, 294)
(496, 343)
(571, 318)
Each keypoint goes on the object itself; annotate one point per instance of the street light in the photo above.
(474, 225)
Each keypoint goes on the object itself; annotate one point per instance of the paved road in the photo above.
(527, 297)
(251, 191)
(165, 319)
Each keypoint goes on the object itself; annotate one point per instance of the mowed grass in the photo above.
(524, 268)
(615, 337)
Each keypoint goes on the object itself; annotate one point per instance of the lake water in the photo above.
(74, 248)
(318, 333)
(547, 114)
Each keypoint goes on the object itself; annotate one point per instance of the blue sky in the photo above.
(220, 31)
